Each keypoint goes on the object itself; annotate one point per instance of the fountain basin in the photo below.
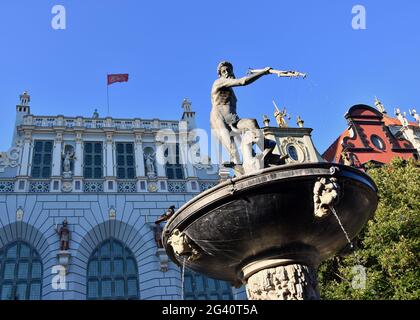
(269, 217)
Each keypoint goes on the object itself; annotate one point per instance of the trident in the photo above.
(280, 73)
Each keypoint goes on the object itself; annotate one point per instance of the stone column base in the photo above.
(286, 282)
(63, 258)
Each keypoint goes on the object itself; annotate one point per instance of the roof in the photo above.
(367, 121)
(395, 122)
(332, 154)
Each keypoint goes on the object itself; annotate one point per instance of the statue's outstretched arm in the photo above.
(228, 83)
(253, 77)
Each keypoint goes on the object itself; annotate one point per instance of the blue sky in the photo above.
(171, 50)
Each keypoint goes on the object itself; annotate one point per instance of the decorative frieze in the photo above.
(93, 186)
(206, 185)
(177, 186)
(127, 187)
(9, 158)
(6, 186)
(39, 187)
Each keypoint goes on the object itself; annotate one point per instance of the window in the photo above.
(69, 123)
(93, 166)
(292, 152)
(112, 272)
(377, 142)
(42, 159)
(21, 184)
(20, 272)
(143, 185)
(199, 287)
(174, 169)
(162, 185)
(125, 161)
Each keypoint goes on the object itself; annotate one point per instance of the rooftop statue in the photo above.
(95, 114)
(415, 115)
(300, 122)
(281, 116)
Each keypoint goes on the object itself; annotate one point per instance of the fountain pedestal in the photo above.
(284, 282)
(265, 229)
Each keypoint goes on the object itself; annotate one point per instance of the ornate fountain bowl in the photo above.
(249, 223)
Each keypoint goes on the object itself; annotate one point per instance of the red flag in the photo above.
(112, 78)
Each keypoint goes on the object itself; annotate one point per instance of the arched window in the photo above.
(112, 272)
(199, 287)
(20, 272)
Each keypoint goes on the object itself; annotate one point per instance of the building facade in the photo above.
(372, 136)
(79, 198)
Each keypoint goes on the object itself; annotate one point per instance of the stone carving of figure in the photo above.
(401, 117)
(224, 120)
(326, 192)
(266, 121)
(150, 166)
(280, 116)
(379, 105)
(160, 224)
(300, 122)
(405, 121)
(182, 245)
(95, 114)
(251, 162)
(64, 234)
(9, 159)
(68, 158)
(67, 162)
(415, 115)
(347, 158)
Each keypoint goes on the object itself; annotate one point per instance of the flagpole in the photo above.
(107, 93)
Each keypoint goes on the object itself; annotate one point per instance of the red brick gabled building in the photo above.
(373, 136)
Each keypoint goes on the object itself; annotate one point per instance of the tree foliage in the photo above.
(389, 245)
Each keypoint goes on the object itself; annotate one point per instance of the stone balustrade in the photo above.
(100, 123)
